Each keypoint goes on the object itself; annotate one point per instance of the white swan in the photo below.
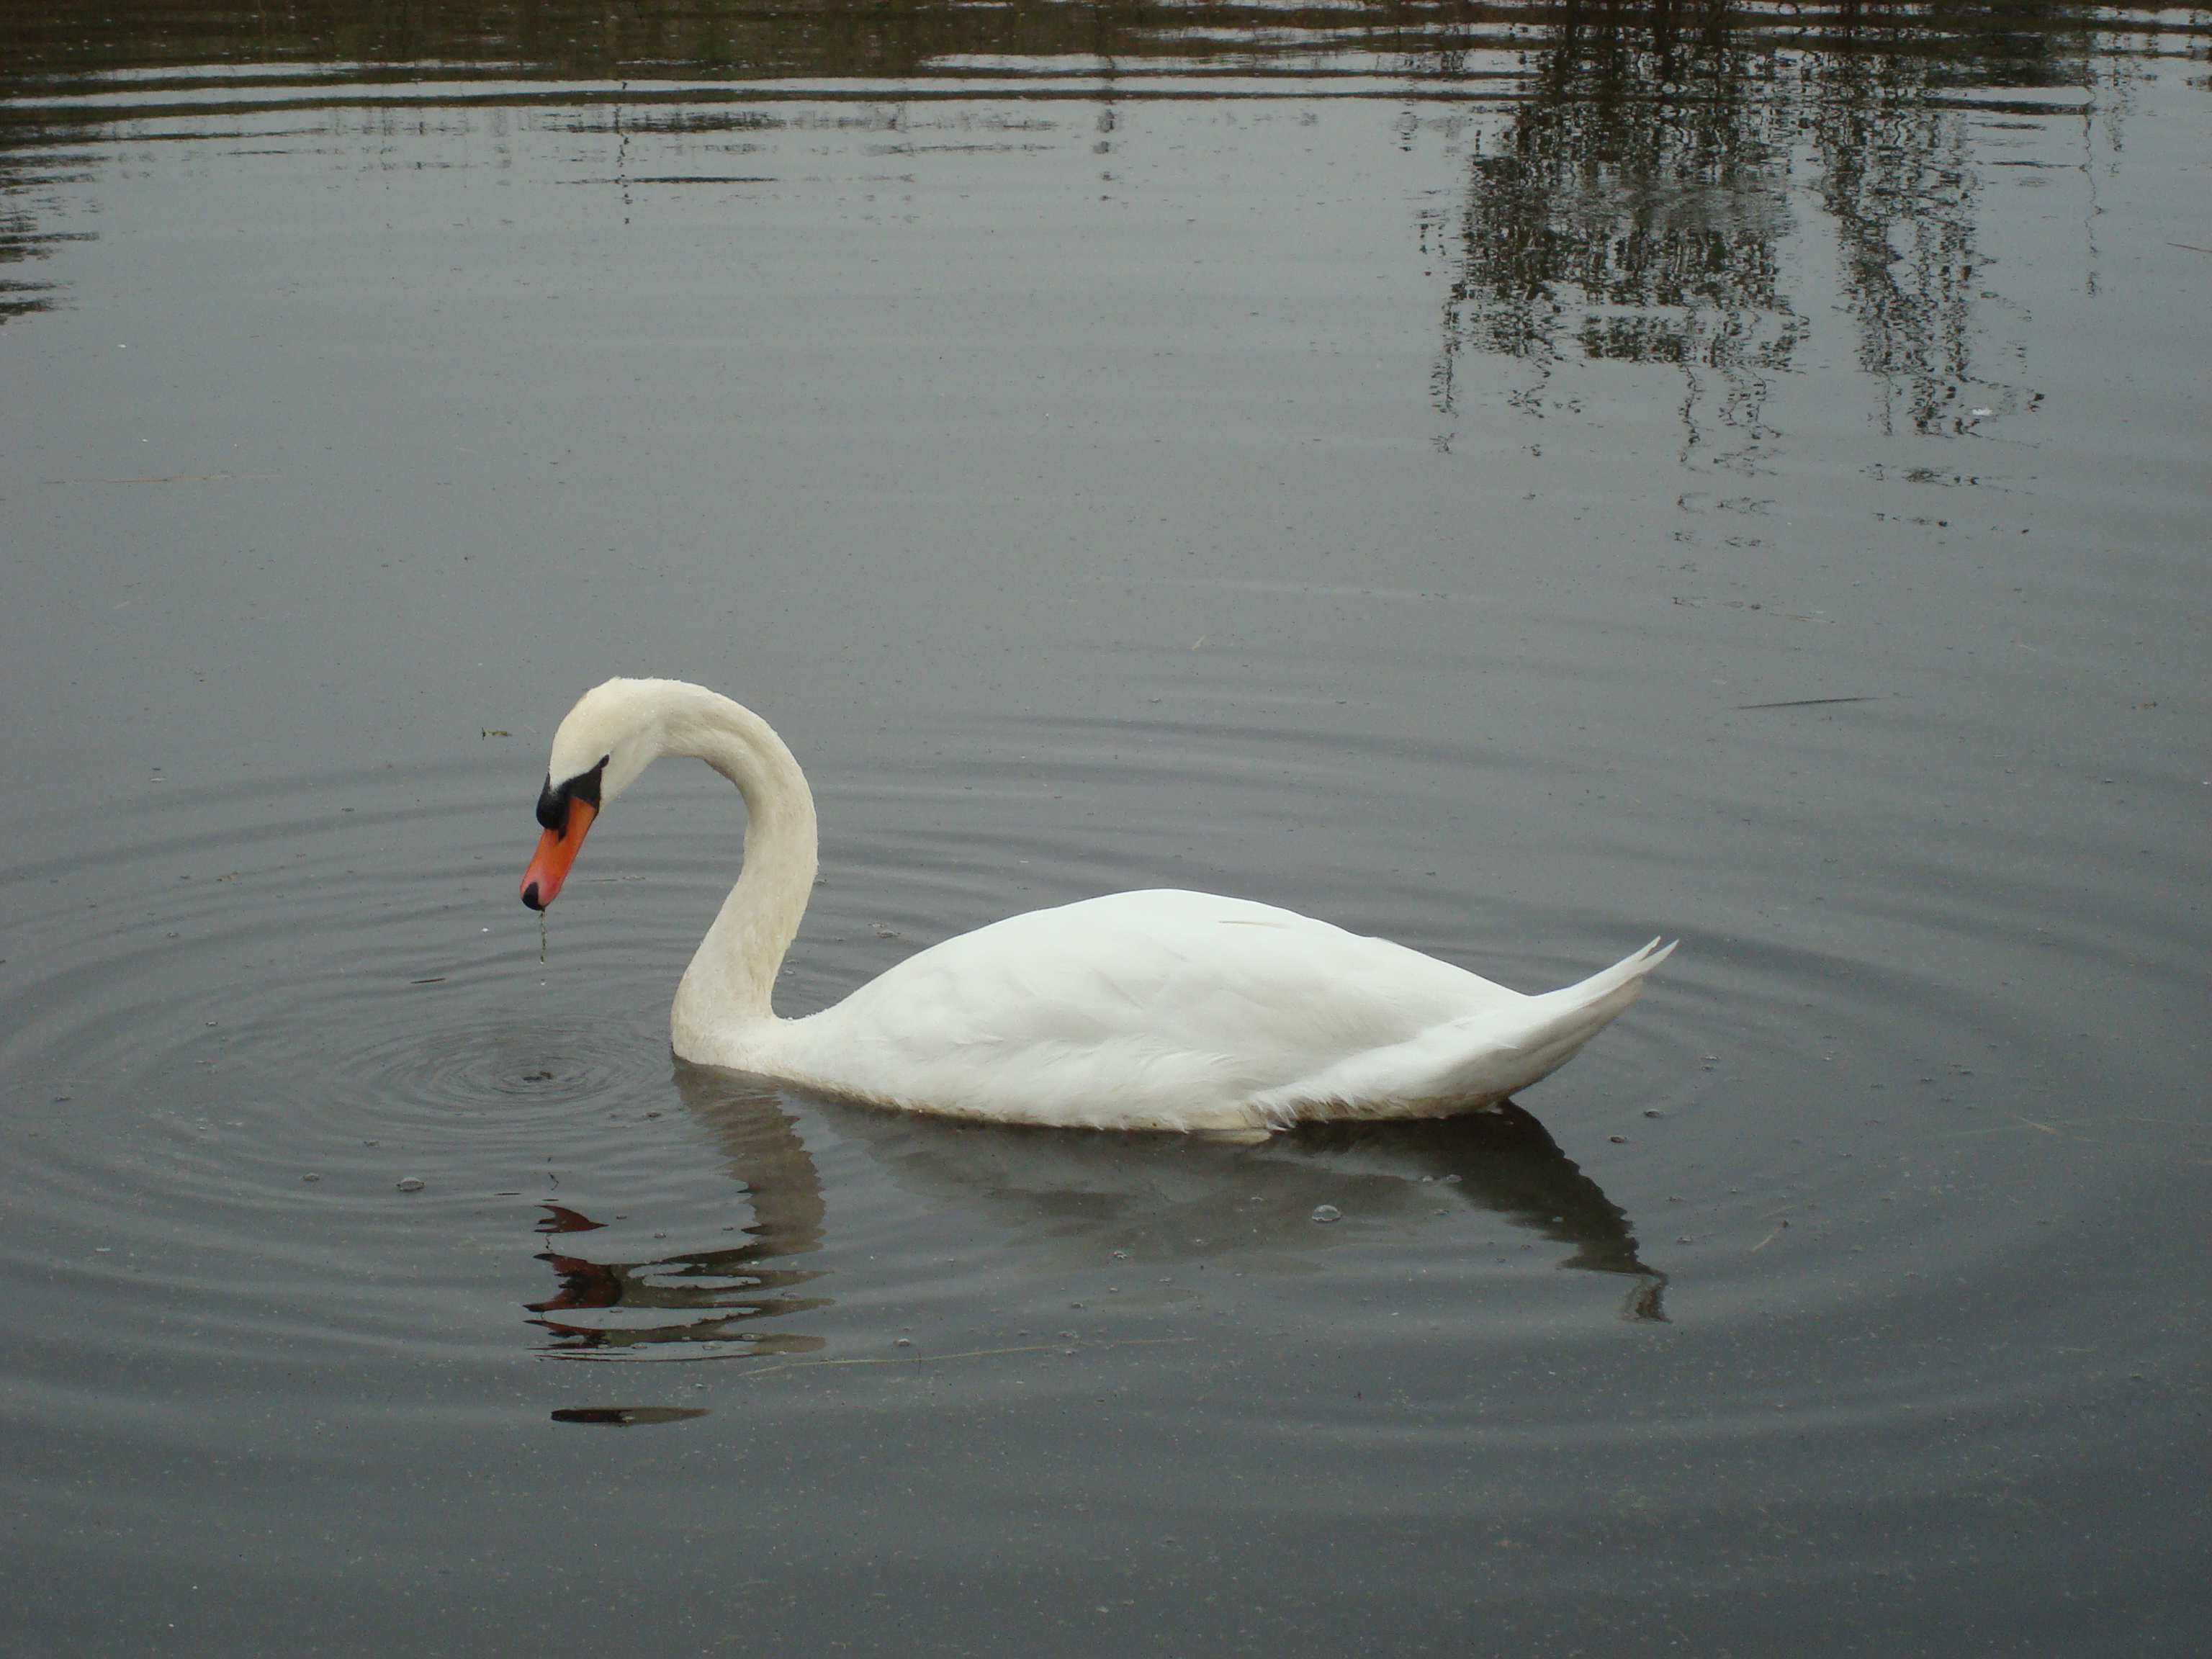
(1159, 1009)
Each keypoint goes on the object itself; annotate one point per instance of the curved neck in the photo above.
(732, 973)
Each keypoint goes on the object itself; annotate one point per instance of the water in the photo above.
(1515, 482)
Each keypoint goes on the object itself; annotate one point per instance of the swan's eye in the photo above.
(553, 804)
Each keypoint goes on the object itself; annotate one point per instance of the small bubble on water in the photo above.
(409, 1183)
(902, 1342)
(311, 1177)
(1327, 1212)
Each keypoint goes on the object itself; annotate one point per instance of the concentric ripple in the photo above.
(303, 1088)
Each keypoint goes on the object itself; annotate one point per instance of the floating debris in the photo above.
(627, 1417)
(1802, 702)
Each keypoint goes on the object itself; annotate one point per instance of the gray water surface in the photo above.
(1512, 480)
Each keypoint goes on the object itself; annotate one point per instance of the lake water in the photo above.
(1517, 480)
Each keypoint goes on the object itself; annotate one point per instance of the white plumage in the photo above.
(1157, 1009)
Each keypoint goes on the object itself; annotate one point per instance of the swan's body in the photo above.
(1161, 1009)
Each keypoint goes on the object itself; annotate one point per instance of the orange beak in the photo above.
(556, 851)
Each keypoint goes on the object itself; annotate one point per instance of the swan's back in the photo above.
(1150, 1010)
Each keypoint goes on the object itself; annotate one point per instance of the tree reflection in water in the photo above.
(1634, 208)
(1069, 1198)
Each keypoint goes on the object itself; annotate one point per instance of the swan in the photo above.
(1161, 1009)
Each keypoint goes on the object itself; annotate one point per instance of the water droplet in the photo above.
(1327, 1212)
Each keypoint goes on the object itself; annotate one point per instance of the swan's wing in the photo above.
(1162, 1009)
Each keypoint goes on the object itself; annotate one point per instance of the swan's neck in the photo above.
(733, 972)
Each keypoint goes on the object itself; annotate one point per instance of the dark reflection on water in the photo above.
(1898, 179)
(1147, 1200)
(1164, 1198)
(1633, 211)
(34, 164)
(1080, 1199)
(1636, 208)
(699, 1297)
(580, 39)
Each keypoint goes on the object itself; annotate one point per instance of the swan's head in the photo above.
(613, 733)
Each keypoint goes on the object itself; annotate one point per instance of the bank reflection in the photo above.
(1065, 1198)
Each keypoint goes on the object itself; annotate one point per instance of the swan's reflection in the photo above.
(1167, 1199)
(1074, 1198)
(706, 1300)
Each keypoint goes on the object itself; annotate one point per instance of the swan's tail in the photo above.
(1548, 1030)
(1480, 1059)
